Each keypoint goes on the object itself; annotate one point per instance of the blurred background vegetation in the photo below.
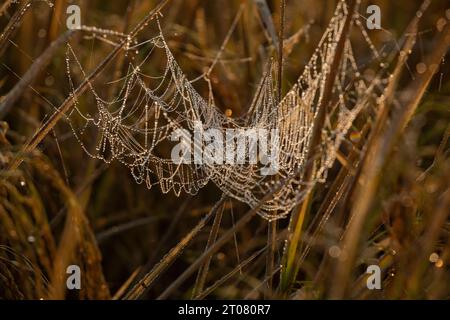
(61, 207)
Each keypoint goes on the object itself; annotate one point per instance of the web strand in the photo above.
(135, 128)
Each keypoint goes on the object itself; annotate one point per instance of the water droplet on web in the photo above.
(131, 135)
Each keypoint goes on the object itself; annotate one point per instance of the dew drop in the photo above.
(334, 251)
(434, 257)
(42, 33)
(441, 24)
(421, 67)
(439, 263)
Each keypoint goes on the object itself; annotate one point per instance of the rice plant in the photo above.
(224, 149)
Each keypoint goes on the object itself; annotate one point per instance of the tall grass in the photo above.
(385, 201)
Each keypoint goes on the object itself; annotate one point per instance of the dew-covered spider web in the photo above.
(135, 128)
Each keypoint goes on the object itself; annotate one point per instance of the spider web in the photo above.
(134, 128)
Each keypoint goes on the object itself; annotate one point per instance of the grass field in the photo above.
(383, 199)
